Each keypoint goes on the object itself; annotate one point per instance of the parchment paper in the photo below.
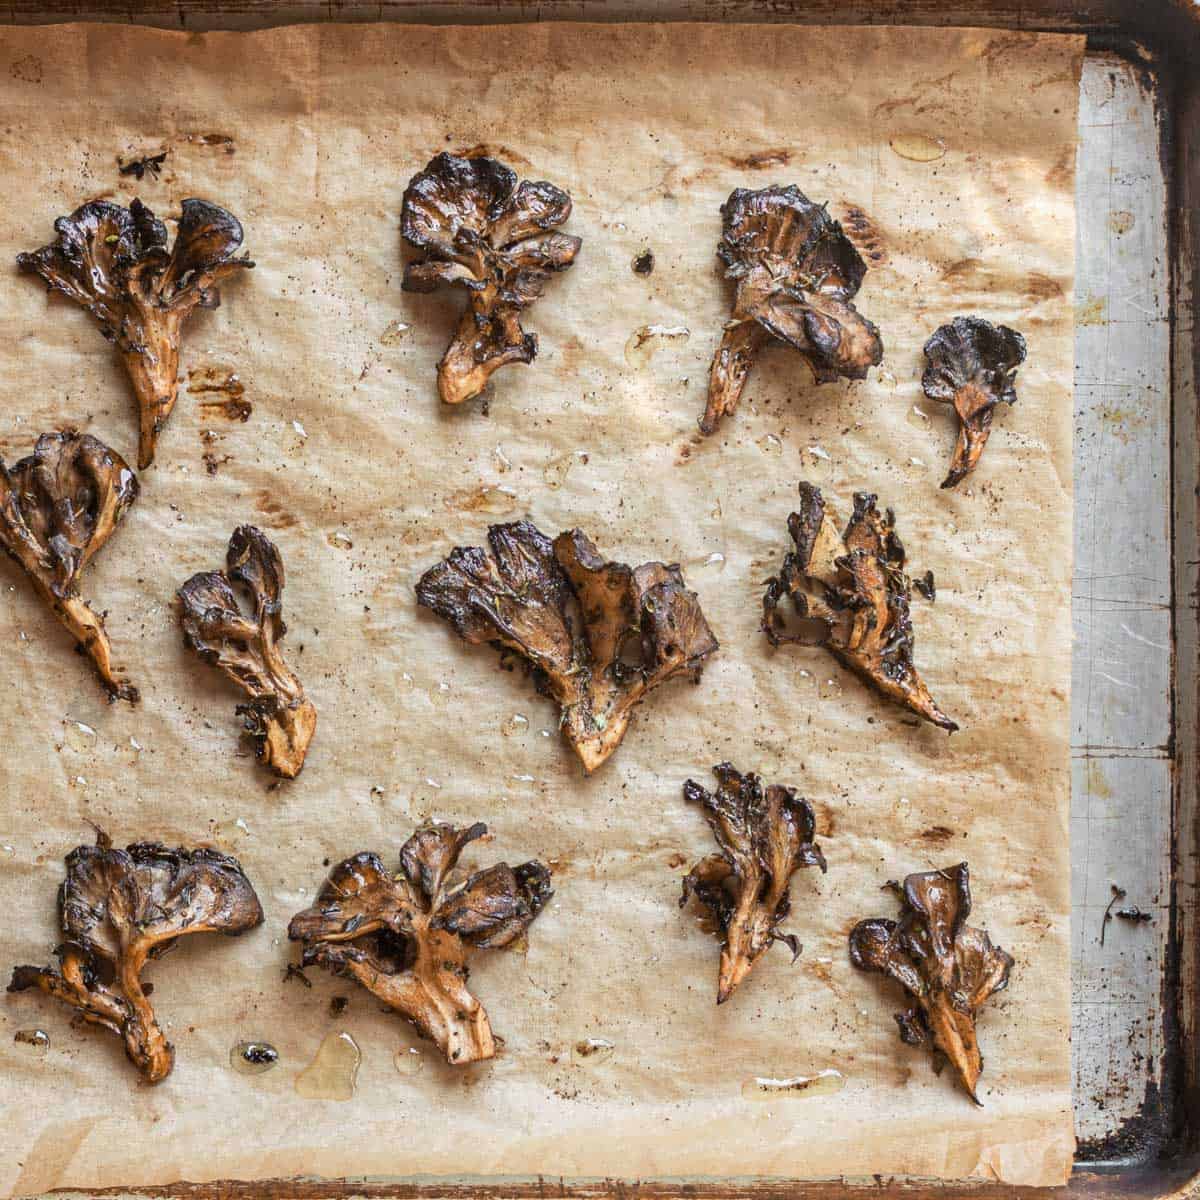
(309, 135)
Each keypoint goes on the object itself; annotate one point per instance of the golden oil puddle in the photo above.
(917, 147)
(333, 1072)
(824, 1083)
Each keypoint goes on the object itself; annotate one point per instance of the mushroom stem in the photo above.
(432, 993)
(480, 347)
(954, 1035)
(975, 409)
(145, 1043)
(84, 625)
(285, 735)
(154, 374)
(730, 369)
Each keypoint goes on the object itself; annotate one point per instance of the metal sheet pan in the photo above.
(1137, 470)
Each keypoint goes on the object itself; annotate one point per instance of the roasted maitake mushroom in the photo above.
(971, 365)
(119, 908)
(406, 937)
(948, 967)
(57, 509)
(796, 274)
(852, 593)
(598, 635)
(477, 226)
(280, 716)
(765, 835)
(114, 262)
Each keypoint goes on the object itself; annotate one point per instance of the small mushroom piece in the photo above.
(851, 593)
(115, 262)
(279, 716)
(971, 365)
(598, 636)
(796, 274)
(406, 937)
(119, 908)
(58, 507)
(479, 227)
(948, 967)
(765, 835)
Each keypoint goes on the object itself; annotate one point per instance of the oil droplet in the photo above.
(917, 147)
(8, 851)
(714, 561)
(817, 452)
(502, 461)
(252, 1058)
(433, 783)
(556, 470)
(643, 343)
(591, 1051)
(300, 430)
(917, 417)
(231, 833)
(394, 332)
(829, 688)
(770, 444)
(495, 501)
(824, 1083)
(806, 679)
(716, 512)
(409, 1062)
(339, 539)
(79, 781)
(333, 1071)
(440, 695)
(38, 1040)
(80, 737)
(524, 779)
(129, 752)
(516, 724)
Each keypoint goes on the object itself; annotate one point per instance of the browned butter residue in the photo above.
(865, 234)
(221, 393)
(274, 515)
(937, 834)
(506, 154)
(760, 160)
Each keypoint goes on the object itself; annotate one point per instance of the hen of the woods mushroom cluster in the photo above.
(119, 909)
(58, 507)
(115, 262)
(850, 594)
(949, 968)
(796, 274)
(245, 647)
(971, 364)
(406, 937)
(765, 835)
(598, 636)
(477, 226)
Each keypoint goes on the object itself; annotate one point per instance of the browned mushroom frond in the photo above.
(853, 589)
(477, 226)
(796, 274)
(58, 507)
(279, 715)
(949, 968)
(765, 835)
(406, 937)
(119, 908)
(971, 365)
(597, 635)
(115, 263)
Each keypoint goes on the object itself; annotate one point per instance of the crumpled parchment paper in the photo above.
(348, 461)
